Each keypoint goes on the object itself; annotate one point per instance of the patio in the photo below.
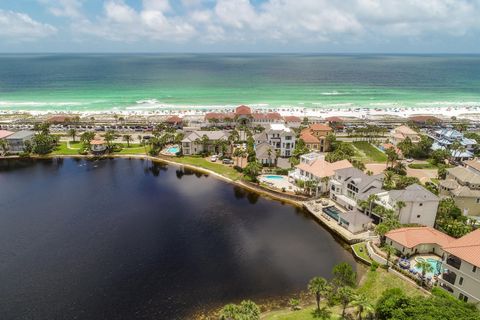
(410, 265)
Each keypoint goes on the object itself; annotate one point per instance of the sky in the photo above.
(320, 26)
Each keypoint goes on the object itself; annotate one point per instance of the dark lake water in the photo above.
(128, 239)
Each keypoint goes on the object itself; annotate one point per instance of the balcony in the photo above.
(454, 262)
(450, 277)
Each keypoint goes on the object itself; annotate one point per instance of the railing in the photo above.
(450, 277)
(454, 262)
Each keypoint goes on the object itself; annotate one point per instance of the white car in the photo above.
(213, 158)
(409, 160)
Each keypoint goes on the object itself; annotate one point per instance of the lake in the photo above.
(132, 239)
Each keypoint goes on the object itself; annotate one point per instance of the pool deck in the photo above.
(278, 183)
(316, 210)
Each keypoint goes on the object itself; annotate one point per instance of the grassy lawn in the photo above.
(132, 150)
(372, 285)
(375, 282)
(304, 314)
(368, 153)
(62, 149)
(361, 250)
(219, 168)
(422, 166)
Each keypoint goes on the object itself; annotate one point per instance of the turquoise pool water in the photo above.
(173, 150)
(436, 265)
(334, 213)
(272, 177)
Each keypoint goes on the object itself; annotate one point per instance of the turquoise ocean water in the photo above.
(149, 82)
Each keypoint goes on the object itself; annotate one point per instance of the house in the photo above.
(444, 138)
(313, 166)
(292, 121)
(280, 137)
(461, 263)
(355, 221)
(460, 257)
(192, 142)
(265, 154)
(349, 185)
(463, 185)
(98, 145)
(413, 240)
(473, 165)
(266, 118)
(399, 134)
(315, 137)
(174, 121)
(420, 205)
(18, 140)
(5, 133)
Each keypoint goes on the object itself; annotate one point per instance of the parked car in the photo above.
(227, 161)
(213, 158)
(409, 160)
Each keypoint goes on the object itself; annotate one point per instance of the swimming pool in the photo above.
(334, 213)
(436, 265)
(173, 150)
(274, 177)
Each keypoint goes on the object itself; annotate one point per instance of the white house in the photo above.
(18, 140)
(420, 205)
(281, 138)
(192, 142)
(313, 166)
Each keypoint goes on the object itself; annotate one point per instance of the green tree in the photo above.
(4, 146)
(72, 133)
(363, 306)
(389, 250)
(399, 205)
(252, 170)
(246, 310)
(390, 301)
(109, 137)
(318, 287)
(344, 275)
(392, 156)
(442, 172)
(426, 267)
(127, 138)
(345, 295)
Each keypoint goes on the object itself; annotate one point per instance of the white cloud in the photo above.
(282, 21)
(20, 27)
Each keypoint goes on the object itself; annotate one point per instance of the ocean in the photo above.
(152, 82)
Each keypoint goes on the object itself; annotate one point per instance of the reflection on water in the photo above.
(131, 239)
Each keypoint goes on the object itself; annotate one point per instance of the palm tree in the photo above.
(346, 295)
(400, 205)
(319, 287)
(4, 146)
(371, 200)
(72, 133)
(363, 305)
(127, 138)
(389, 250)
(325, 181)
(425, 266)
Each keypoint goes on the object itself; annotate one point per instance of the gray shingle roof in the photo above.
(412, 193)
(21, 135)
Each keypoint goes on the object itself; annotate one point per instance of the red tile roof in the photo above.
(320, 127)
(334, 119)
(243, 110)
(269, 116)
(466, 248)
(174, 119)
(411, 237)
(321, 168)
(308, 137)
(292, 119)
(59, 119)
(219, 116)
(5, 133)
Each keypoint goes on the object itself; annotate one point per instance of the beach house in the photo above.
(18, 140)
(315, 137)
(313, 167)
(399, 134)
(3, 135)
(444, 139)
(463, 185)
(414, 204)
(98, 146)
(265, 154)
(280, 137)
(197, 142)
(460, 269)
(292, 121)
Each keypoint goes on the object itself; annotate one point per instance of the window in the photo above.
(421, 204)
(418, 216)
(474, 269)
(463, 297)
(478, 200)
(460, 282)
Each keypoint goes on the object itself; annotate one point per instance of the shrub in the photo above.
(238, 169)
(374, 266)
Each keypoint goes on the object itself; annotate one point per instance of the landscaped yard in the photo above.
(372, 286)
(361, 250)
(219, 168)
(132, 150)
(366, 152)
(62, 149)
